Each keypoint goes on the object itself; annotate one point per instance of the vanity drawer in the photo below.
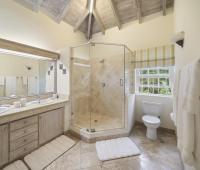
(23, 150)
(14, 145)
(23, 132)
(23, 123)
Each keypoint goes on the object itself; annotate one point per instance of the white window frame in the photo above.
(170, 75)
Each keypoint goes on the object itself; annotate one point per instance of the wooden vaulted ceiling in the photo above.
(105, 13)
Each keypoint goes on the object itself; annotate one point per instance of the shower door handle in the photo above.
(121, 82)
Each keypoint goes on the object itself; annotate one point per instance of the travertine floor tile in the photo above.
(89, 159)
(93, 168)
(161, 154)
(87, 147)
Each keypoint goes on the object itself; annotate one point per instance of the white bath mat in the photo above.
(116, 148)
(42, 157)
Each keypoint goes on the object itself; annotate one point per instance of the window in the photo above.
(156, 81)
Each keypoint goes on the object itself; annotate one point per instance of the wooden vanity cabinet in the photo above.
(22, 136)
(50, 125)
(4, 144)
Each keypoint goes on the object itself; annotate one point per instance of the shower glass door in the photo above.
(107, 86)
(80, 87)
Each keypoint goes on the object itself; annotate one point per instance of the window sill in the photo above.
(154, 95)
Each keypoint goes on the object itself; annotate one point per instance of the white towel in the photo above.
(188, 105)
(49, 84)
(192, 97)
(33, 85)
(175, 94)
(25, 80)
(10, 86)
(2, 82)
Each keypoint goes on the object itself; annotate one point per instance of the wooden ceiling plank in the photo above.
(60, 18)
(98, 19)
(89, 26)
(92, 4)
(139, 10)
(164, 6)
(81, 20)
(115, 13)
(37, 5)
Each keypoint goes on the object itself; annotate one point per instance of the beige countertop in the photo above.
(32, 109)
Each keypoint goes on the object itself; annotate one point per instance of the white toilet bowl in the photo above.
(152, 123)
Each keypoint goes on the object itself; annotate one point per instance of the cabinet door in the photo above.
(3, 144)
(50, 125)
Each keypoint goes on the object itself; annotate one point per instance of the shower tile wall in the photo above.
(98, 87)
(107, 95)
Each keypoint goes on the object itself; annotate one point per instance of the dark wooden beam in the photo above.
(115, 13)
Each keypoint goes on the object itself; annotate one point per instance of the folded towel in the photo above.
(2, 81)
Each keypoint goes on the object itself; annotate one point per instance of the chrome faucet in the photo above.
(39, 98)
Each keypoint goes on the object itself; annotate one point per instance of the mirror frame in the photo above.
(15, 47)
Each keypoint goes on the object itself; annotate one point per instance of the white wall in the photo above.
(187, 19)
(167, 108)
(63, 79)
(23, 25)
(156, 30)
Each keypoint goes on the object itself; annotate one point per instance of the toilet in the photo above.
(151, 118)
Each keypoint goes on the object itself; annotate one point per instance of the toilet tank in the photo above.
(151, 108)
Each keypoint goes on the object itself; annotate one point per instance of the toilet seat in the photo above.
(151, 119)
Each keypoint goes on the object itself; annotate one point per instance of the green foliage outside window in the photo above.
(154, 81)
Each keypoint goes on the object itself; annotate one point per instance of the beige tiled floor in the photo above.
(156, 155)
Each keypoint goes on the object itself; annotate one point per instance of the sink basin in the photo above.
(45, 101)
(3, 109)
(42, 101)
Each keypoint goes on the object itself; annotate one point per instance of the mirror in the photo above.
(22, 76)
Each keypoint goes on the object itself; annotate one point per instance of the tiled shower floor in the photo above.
(156, 155)
(98, 121)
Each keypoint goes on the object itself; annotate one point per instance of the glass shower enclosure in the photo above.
(101, 77)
